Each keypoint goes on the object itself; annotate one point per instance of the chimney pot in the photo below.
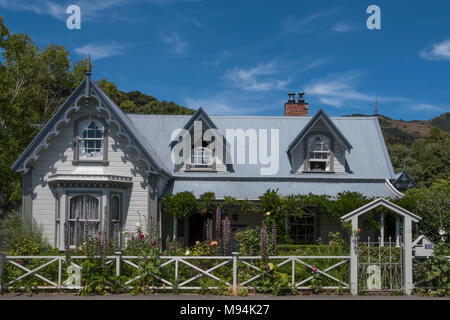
(291, 98)
(296, 108)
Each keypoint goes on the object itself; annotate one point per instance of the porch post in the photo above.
(354, 257)
(407, 245)
(174, 228)
(397, 232)
(382, 230)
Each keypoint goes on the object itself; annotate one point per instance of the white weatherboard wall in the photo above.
(57, 159)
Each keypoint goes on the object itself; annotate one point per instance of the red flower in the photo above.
(153, 244)
(141, 235)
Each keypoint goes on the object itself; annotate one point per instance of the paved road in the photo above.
(16, 296)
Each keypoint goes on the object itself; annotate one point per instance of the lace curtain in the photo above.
(83, 208)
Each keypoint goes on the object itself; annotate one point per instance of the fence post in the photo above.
(407, 247)
(235, 287)
(2, 264)
(118, 258)
(354, 257)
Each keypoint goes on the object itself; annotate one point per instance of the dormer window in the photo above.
(90, 140)
(201, 156)
(319, 154)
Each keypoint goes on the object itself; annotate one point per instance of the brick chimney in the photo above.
(296, 108)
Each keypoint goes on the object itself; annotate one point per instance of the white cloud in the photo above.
(173, 39)
(100, 51)
(337, 89)
(89, 8)
(292, 24)
(212, 105)
(340, 90)
(255, 79)
(438, 51)
(429, 107)
(342, 27)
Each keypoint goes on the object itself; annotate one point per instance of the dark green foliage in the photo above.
(427, 160)
(206, 203)
(182, 204)
(434, 273)
(20, 238)
(137, 102)
(433, 206)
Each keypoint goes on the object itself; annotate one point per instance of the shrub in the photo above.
(21, 238)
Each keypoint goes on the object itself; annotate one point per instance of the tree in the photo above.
(433, 206)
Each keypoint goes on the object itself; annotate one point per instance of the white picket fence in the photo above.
(67, 283)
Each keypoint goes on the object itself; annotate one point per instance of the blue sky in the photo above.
(243, 57)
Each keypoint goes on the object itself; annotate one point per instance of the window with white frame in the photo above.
(319, 153)
(90, 140)
(84, 211)
(201, 156)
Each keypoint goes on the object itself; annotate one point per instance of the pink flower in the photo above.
(171, 247)
(213, 243)
(315, 269)
(197, 242)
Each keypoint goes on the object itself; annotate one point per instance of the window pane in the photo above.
(115, 208)
(83, 208)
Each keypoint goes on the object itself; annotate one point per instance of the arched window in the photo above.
(90, 140)
(319, 154)
(201, 155)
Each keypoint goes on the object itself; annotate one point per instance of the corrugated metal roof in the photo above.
(251, 190)
(367, 160)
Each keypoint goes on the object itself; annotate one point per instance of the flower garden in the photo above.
(261, 260)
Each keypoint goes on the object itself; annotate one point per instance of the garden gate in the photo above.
(381, 262)
(380, 266)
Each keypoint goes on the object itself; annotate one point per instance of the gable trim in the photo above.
(328, 122)
(62, 117)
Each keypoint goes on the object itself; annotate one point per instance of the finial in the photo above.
(88, 67)
(376, 106)
(87, 93)
(404, 165)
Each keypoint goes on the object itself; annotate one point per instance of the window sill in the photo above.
(196, 167)
(103, 162)
(317, 171)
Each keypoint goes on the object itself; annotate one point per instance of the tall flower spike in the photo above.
(116, 237)
(226, 236)
(218, 223)
(77, 233)
(86, 231)
(66, 240)
(274, 238)
(264, 240)
(208, 228)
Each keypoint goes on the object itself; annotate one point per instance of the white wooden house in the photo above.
(91, 154)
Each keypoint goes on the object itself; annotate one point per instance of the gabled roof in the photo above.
(381, 202)
(368, 160)
(403, 181)
(51, 128)
(200, 114)
(320, 115)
